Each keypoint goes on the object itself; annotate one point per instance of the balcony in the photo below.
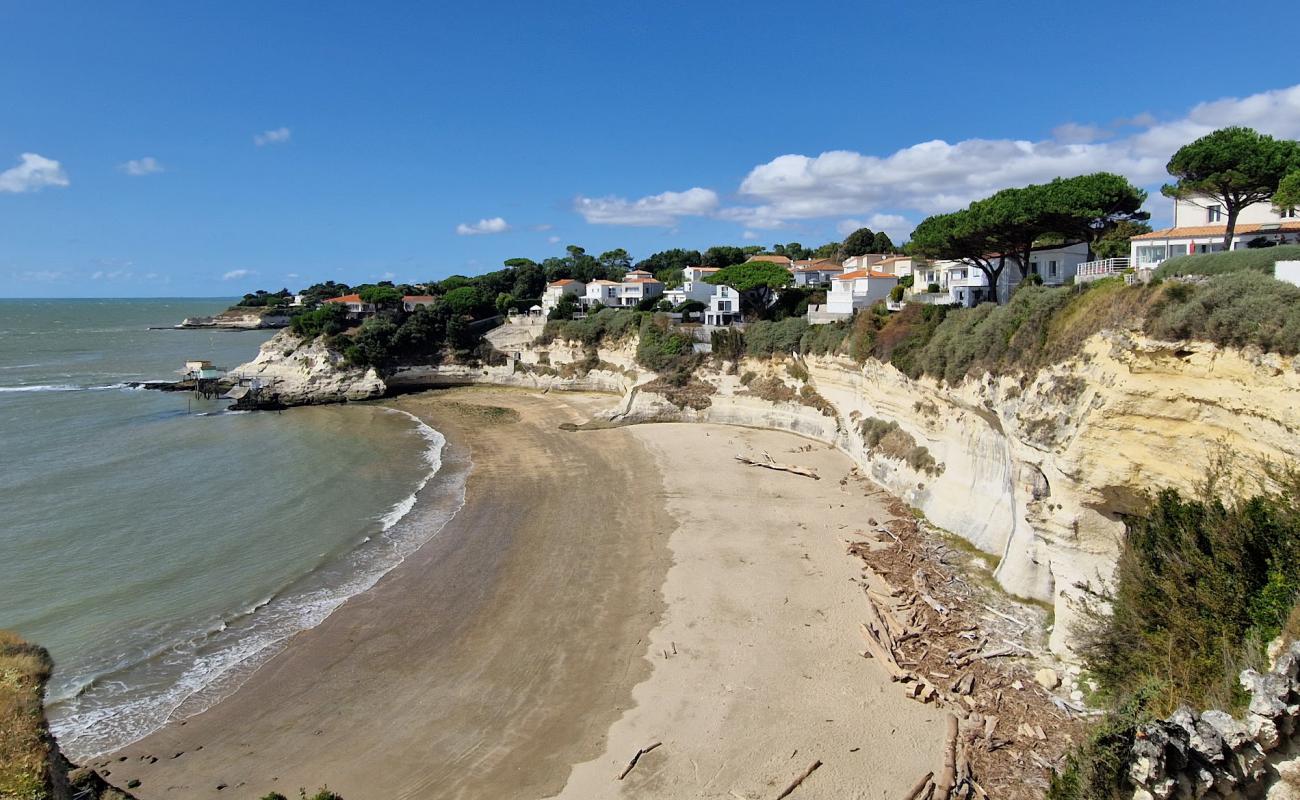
(1090, 271)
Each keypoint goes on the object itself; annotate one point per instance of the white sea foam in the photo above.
(61, 387)
(216, 658)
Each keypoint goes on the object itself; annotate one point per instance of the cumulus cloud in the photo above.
(34, 172)
(277, 136)
(660, 210)
(483, 226)
(237, 274)
(938, 176)
(892, 224)
(141, 166)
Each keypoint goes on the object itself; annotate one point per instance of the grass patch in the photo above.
(1248, 260)
(24, 739)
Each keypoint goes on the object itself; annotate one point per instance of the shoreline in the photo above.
(517, 654)
(459, 659)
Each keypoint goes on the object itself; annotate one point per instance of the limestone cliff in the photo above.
(297, 372)
(1036, 471)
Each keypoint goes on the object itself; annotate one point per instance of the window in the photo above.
(1288, 213)
(1033, 267)
(1051, 269)
(1214, 213)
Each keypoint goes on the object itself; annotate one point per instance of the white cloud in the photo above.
(1074, 133)
(238, 274)
(660, 210)
(483, 226)
(34, 172)
(749, 235)
(553, 239)
(141, 166)
(937, 176)
(41, 275)
(893, 224)
(277, 136)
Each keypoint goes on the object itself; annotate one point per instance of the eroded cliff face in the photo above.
(1035, 471)
(296, 372)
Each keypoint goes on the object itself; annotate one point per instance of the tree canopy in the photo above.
(1234, 166)
(383, 296)
(1088, 207)
(863, 241)
(756, 281)
(1288, 192)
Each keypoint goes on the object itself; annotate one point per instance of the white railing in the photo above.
(1104, 268)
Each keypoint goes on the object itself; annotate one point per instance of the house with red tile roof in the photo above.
(355, 305)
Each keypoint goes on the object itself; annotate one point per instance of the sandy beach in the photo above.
(599, 591)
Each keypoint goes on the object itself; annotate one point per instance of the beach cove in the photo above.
(598, 592)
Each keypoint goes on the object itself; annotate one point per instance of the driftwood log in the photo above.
(636, 758)
(769, 464)
(802, 777)
(919, 788)
(948, 777)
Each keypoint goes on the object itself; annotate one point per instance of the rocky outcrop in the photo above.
(239, 318)
(1212, 755)
(294, 372)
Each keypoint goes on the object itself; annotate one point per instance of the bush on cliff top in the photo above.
(1236, 310)
(1248, 260)
(607, 326)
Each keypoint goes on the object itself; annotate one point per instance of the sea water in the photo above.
(161, 547)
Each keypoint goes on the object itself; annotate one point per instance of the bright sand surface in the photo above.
(537, 631)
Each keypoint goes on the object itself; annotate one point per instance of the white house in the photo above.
(902, 266)
(558, 289)
(355, 305)
(966, 285)
(724, 306)
(864, 261)
(815, 272)
(858, 289)
(635, 286)
(1199, 227)
(693, 286)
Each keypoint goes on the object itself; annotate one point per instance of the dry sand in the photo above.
(762, 615)
(530, 635)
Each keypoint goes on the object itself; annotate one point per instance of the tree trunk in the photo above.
(1233, 210)
(993, 275)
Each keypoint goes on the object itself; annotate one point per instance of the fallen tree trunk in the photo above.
(797, 470)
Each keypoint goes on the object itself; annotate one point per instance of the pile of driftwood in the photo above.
(938, 637)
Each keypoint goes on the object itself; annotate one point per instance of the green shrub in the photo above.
(1208, 578)
(607, 326)
(820, 340)
(1231, 310)
(329, 319)
(1252, 260)
(728, 344)
(797, 371)
(766, 338)
(662, 348)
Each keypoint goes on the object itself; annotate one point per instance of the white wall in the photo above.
(1288, 271)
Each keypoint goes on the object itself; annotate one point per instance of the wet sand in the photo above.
(528, 649)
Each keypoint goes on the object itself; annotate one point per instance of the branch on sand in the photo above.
(770, 464)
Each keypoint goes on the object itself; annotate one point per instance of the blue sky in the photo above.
(212, 148)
